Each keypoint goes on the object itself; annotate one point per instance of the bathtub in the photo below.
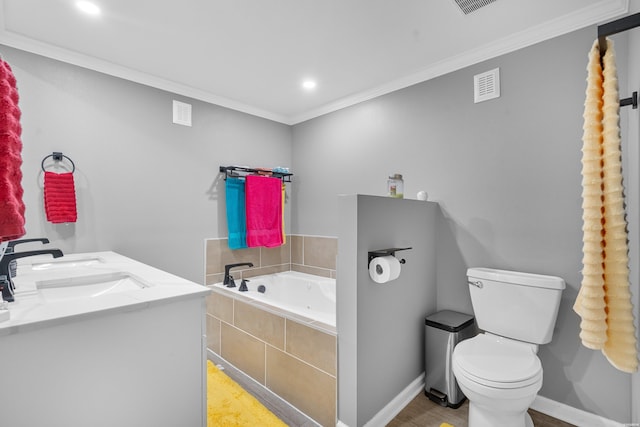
(306, 295)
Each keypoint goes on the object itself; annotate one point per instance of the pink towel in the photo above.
(60, 197)
(263, 204)
(11, 204)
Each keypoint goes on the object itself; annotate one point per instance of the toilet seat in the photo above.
(497, 362)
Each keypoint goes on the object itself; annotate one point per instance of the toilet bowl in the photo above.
(499, 370)
(500, 377)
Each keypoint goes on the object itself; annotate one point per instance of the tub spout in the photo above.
(228, 279)
(5, 273)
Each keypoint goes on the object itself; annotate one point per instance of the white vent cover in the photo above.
(181, 113)
(486, 85)
(468, 6)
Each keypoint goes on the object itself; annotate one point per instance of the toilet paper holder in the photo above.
(385, 252)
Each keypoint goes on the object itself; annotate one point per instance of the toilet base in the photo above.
(488, 417)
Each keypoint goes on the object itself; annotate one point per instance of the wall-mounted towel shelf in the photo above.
(615, 27)
(58, 157)
(240, 171)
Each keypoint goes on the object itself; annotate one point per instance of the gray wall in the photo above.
(146, 188)
(381, 326)
(506, 174)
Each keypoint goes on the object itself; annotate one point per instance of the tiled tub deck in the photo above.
(292, 356)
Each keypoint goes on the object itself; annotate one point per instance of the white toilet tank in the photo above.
(515, 305)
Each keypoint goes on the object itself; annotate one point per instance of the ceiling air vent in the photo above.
(486, 85)
(468, 6)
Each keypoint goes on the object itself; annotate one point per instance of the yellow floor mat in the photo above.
(229, 405)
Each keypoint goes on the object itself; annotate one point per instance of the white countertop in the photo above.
(30, 310)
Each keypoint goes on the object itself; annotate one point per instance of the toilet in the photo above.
(498, 370)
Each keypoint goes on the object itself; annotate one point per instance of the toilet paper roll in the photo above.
(384, 269)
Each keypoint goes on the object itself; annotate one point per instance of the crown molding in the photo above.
(592, 15)
(562, 25)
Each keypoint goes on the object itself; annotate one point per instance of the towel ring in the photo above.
(57, 156)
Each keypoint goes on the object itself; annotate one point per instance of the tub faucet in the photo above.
(6, 284)
(228, 278)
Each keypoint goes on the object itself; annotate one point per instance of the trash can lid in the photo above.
(449, 320)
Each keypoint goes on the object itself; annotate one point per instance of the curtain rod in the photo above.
(615, 27)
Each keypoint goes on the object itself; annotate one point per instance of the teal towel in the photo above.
(236, 216)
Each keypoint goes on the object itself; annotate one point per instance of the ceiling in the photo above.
(252, 55)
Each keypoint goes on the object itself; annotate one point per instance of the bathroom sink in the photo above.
(89, 286)
(66, 263)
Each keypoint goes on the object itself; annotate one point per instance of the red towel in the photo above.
(60, 197)
(11, 204)
(263, 205)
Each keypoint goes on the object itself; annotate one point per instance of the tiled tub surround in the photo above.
(291, 356)
(307, 254)
(294, 357)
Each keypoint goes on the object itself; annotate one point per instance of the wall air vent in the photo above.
(468, 6)
(181, 113)
(486, 85)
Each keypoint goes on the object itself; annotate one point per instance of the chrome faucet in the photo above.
(6, 284)
(228, 278)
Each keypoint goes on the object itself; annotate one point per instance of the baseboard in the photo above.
(571, 415)
(398, 403)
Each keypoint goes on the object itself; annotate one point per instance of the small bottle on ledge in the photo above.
(395, 186)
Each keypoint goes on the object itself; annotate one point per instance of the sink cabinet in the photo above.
(126, 359)
(127, 369)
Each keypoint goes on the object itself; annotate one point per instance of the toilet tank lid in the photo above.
(517, 278)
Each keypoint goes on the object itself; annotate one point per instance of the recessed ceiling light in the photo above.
(309, 84)
(88, 7)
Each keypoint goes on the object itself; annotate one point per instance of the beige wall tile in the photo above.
(244, 351)
(329, 329)
(218, 255)
(253, 272)
(320, 251)
(311, 345)
(276, 256)
(213, 278)
(312, 270)
(297, 246)
(213, 255)
(220, 306)
(305, 387)
(213, 333)
(259, 323)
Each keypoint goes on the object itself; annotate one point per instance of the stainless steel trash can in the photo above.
(443, 330)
